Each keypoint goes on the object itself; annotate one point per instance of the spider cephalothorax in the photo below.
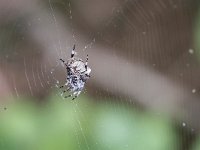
(78, 73)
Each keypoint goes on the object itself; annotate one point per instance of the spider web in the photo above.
(62, 53)
(132, 64)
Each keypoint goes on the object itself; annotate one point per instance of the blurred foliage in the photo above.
(197, 34)
(196, 145)
(197, 44)
(82, 124)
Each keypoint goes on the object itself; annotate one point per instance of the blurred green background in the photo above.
(83, 124)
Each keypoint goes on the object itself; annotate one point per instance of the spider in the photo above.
(78, 73)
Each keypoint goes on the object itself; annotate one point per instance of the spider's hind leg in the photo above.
(68, 96)
(62, 86)
(76, 95)
(64, 90)
(71, 96)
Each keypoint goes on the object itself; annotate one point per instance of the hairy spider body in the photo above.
(78, 73)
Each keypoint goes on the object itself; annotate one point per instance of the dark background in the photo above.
(144, 87)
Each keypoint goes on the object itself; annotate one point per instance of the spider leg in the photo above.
(71, 96)
(79, 92)
(68, 89)
(64, 91)
(73, 51)
(86, 63)
(61, 86)
(68, 96)
(63, 61)
(76, 95)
